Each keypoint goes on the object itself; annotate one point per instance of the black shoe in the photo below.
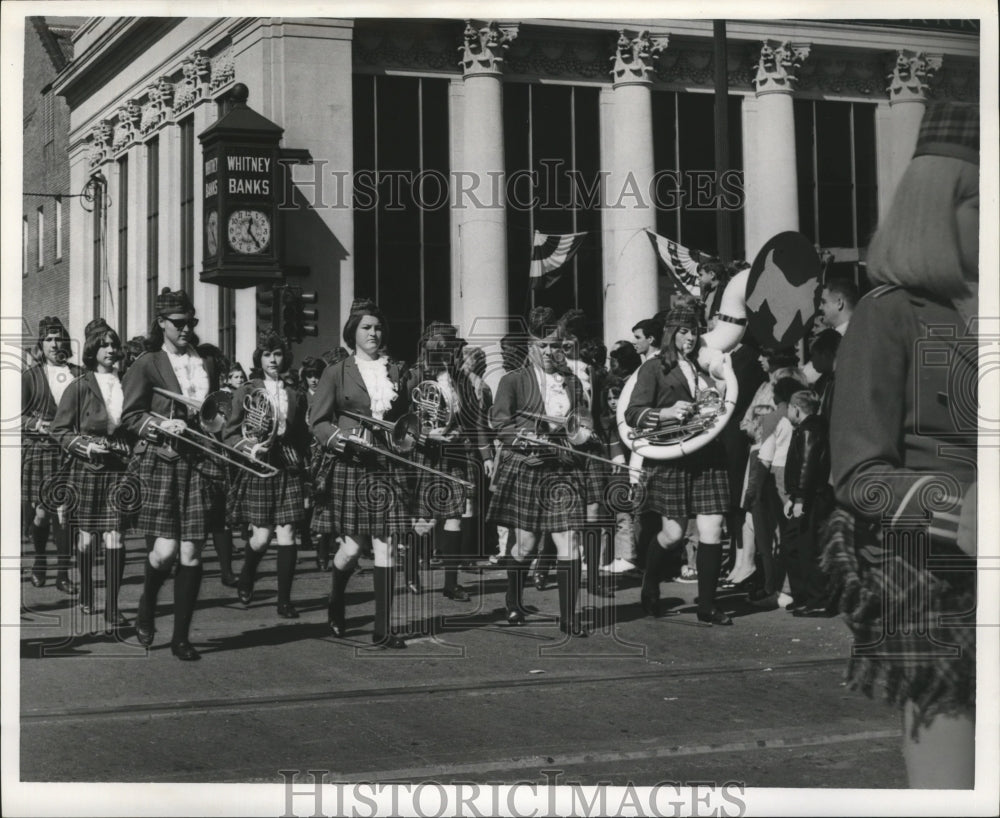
(515, 618)
(288, 611)
(650, 604)
(795, 606)
(717, 617)
(67, 586)
(229, 579)
(812, 613)
(769, 602)
(414, 587)
(245, 595)
(337, 628)
(38, 577)
(116, 620)
(458, 593)
(389, 640)
(144, 631)
(574, 629)
(539, 581)
(87, 609)
(323, 564)
(184, 651)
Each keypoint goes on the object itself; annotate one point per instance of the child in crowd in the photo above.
(807, 475)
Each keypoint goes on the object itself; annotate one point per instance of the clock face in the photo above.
(212, 233)
(249, 231)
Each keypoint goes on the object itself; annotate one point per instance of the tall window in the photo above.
(59, 228)
(152, 226)
(98, 248)
(227, 322)
(123, 246)
(550, 131)
(187, 205)
(402, 236)
(684, 150)
(40, 221)
(838, 188)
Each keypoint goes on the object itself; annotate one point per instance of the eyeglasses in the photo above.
(182, 323)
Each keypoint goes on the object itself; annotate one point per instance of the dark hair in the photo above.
(720, 269)
(626, 360)
(843, 287)
(514, 350)
(668, 349)
(291, 378)
(593, 352)
(778, 358)
(236, 366)
(785, 388)
(270, 342)
(212, 351)
(826, 343)
(542, 323)
(64, 345)
(94, 342)
(354, 321)
(651, 328)
(312, 367)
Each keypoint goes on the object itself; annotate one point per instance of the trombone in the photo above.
(208, 413)
(403, 434)
(578, 427)
(537, 441)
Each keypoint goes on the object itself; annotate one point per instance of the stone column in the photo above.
(631, 277)
(909, 82)
(773, 190)
(480, 181)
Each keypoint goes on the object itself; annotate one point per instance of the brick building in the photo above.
(45, 260)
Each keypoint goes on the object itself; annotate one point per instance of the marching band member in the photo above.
(446, 449)
(696, 484)
(271, 505)
(309, 374)
(42, 386)
(175, 477)
(355, 491)
(535, 492)
(86, 425)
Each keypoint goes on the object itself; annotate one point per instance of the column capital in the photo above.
(484, 46)
(777, 64)
(634, 57)
(911, 76)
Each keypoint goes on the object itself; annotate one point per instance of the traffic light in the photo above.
(309, 317)
(296, 319)
(267, 313)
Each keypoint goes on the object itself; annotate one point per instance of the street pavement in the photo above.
(641, 701)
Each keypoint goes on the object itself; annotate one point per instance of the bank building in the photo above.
(415, 161)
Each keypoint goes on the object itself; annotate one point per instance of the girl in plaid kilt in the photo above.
(42, 385)
(903, 434)
(86, 425)
(694, 485)
(175, 478)
(447, 448)
(357, 491)
(271, 505)
(537, 489)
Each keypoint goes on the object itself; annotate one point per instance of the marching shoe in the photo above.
(288, 611)
(716, 617)
(389, 640)
(229, 579)
(184, 651)
(515, 618)
(539, 581)
(38, 576)
(245, 595)
(144, 631)
(116, 620)
(87, 609)
(458, 594)
(574, 629)
(67, 586)
(650, 604)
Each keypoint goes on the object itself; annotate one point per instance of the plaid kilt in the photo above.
(436, 498)
(176, 496)
(41, 458)
(267, 501)
(355, 499)
(894, 607)
(103, 500)
(683, 488)
(550, 497)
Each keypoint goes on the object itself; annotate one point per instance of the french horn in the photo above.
(431, 406)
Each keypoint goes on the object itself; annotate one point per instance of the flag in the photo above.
(550, 253)
(679, 262)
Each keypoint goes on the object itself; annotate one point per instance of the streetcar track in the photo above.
(330, 697)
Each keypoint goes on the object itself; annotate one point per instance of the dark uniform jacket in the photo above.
(296, 436)
(518, 397)
(82, 416)
(37, 402)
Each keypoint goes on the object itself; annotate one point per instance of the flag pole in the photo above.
(722, 216)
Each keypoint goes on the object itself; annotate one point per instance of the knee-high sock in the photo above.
(592, 549)
(470, 542)
(450, 549)
(411, 558)
(152, 582)
(39, 539)
(251, 559)
(383, 600)
(114, 571)
(85, 565)
(515, 585)
(223, 539)
(568, 580)
(186, 585)
(654, 568)
(338, 593)
(286, 570)
(709, 564)
(323, 547)
(63, 549)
